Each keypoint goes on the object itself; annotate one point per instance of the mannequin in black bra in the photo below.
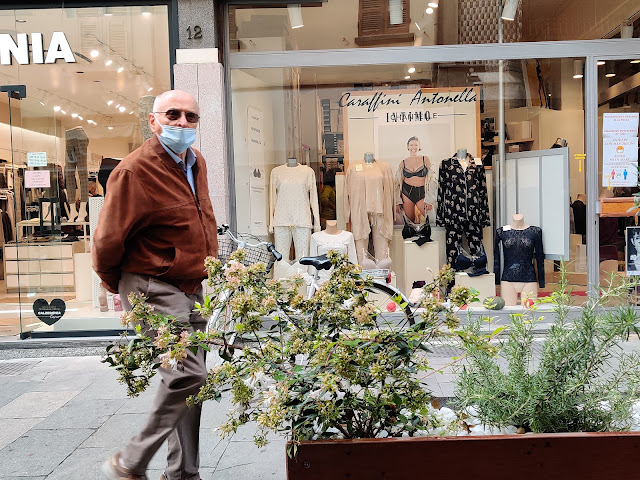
(416, 186)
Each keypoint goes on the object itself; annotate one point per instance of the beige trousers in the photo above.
(169, 419)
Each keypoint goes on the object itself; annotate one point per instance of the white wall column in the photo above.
(199, 72)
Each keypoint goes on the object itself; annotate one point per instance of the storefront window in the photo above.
(618, 113)
(407, 161)
(337, 24)
(90, 76)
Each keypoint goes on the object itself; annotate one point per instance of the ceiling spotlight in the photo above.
(412, 70)
(295, 15)
(146, 11)
(610, 70)
(109, 128)
(407, 77)
(74, 115)
(121, 69)
(80, 118)
(601, 62)
(56, 108)
(429, 10)
(118, 106)
(108, 63)
(109, 102)
(577, 69)
(131, 112)
(510, 9)
(94, 53)
(42, 103)
(632, 61)
(63, 112)
(418, 26)
(122, 108)
(433, 4)
(149, 89)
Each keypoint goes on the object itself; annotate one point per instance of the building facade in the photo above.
(537, 102)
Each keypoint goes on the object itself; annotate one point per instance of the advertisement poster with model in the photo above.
(633, 250)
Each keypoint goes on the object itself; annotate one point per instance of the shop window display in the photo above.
(414, 167)
(80, 115)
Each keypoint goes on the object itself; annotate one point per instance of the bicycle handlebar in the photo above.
(225, 230)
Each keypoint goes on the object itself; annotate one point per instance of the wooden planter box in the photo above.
(565, 456)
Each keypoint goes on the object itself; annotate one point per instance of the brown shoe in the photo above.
(112, 470)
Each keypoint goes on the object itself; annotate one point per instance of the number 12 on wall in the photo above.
(197, 32)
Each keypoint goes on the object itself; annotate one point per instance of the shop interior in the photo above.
(58, 145)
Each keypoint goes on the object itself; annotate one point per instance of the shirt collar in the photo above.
(190, 158)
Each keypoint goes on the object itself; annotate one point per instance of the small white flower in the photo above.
(382, 434)
(302, 359)
(339, 395)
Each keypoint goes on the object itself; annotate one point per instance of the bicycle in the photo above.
(391, 304)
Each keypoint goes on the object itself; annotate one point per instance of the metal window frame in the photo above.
(589, 50)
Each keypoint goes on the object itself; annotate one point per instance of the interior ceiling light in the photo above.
(632, 61)
(429, 10)
(433, 4)
(121, 69)
(118, 106)
(109, 102)
(395, 12)
(610, 70)
(94, 53)
(131, 112)
(122, 108)
(74, 115)
(56, 108)
(601, 62)
(295, 15)
(108, 63)
(577, 69)
(109, 128)
(149, 89)
(108, 11)
(510, 9)
(80, 117)
(418, 26)
(146, 11)
(64, 112)
(407, 77)
(412, 70)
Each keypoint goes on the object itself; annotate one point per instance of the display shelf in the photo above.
(508, 142)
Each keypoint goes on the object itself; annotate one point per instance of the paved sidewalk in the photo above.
(60, 418)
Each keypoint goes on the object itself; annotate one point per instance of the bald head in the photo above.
(172, 100)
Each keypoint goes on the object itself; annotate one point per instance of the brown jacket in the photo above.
(152, 224)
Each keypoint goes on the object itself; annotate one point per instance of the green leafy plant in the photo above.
(327, 367)
(582, 381)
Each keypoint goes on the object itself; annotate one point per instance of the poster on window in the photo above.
(412, 130)
(620, 162)
(633, 250)
(620, 125)
(257, 172)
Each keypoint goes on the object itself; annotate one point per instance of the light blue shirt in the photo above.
(188, 170)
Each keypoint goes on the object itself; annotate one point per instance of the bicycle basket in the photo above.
(259, 254)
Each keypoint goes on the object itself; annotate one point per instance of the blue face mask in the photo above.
(177, 139)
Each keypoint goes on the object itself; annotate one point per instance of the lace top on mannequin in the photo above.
(519, 248)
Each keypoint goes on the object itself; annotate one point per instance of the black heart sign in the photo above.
(49, 313)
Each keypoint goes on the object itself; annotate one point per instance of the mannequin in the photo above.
(520, 244)
(579, 208)
(332, 238)
(368, 199)
(145, 106)
(293, 200)
(463, 206)
(77, 143)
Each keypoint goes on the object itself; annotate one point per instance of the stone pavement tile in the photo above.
(39, 452)
(245, 460)
(14, 428)
(447, 388)
(214, 414)
(22, 478)
(212, 447)
(81, 414)
(140, 404)
(82, 463)
(115, 432)
(104, 387)
(11, 391)
(36, 404)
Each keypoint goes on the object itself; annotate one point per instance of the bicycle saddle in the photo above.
(321, 262)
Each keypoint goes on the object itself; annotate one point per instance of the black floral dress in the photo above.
(463, 205)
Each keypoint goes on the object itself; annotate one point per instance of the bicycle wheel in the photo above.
(394, 308)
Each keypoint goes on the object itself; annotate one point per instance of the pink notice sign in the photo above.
(37, 179)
